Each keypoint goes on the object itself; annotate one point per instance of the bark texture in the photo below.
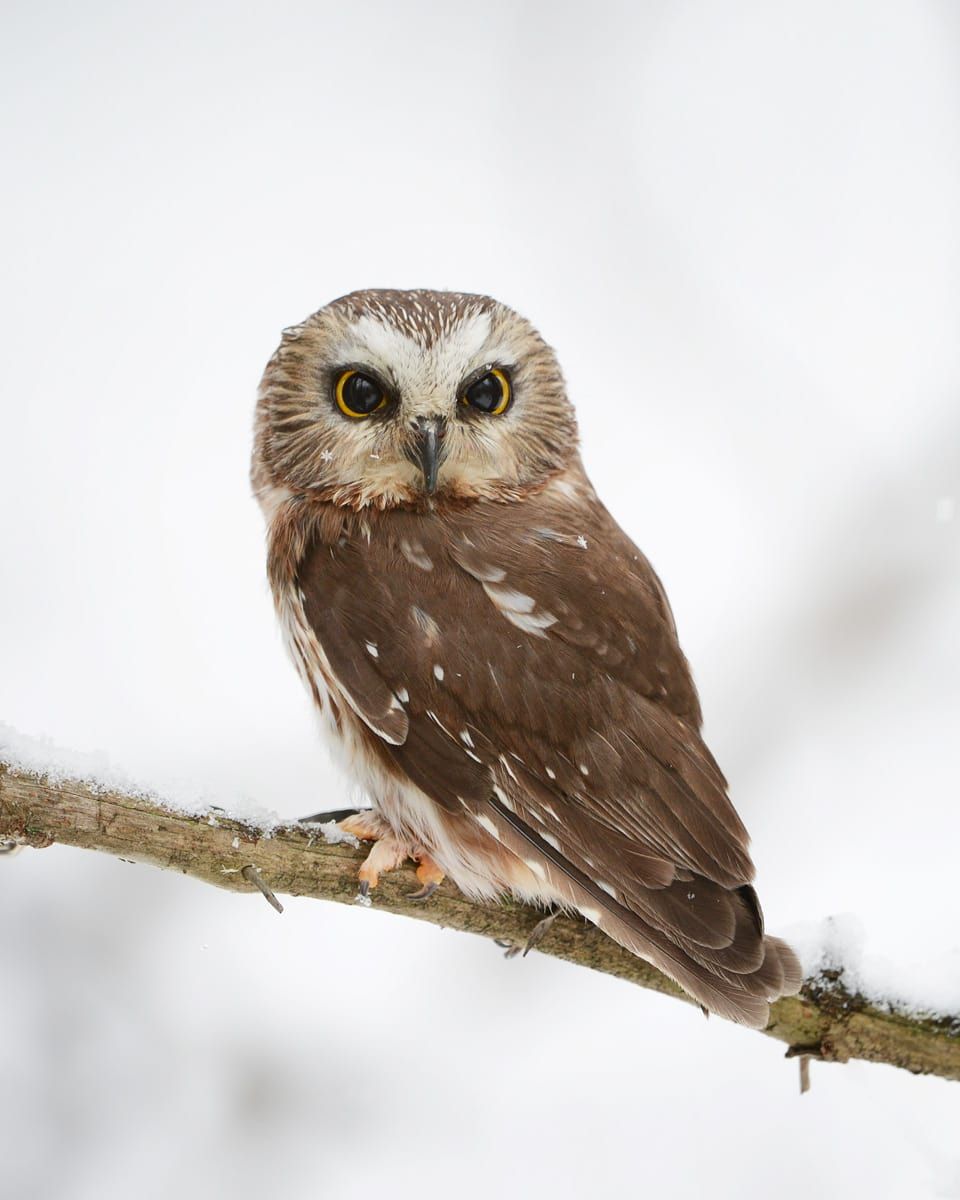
(825, 1021)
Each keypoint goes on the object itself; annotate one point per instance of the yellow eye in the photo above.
(358, 395)
(490, 394)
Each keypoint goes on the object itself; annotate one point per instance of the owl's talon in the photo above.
(430, 876)
(363, 895)
(423, 893)
(512, 949)
(539, 931)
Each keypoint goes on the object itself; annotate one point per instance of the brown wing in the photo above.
(535, 658)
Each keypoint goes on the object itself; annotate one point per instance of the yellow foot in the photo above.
(387, 853)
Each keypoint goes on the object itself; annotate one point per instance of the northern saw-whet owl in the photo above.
(494, 658)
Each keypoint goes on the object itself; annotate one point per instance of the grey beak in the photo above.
(429, 435)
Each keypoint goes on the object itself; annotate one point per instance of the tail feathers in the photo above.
(741, 997)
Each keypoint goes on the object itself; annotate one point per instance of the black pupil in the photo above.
(486, 393)
(361, 394)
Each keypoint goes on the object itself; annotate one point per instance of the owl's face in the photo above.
(386, 398)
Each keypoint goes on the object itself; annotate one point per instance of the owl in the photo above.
(495, 662)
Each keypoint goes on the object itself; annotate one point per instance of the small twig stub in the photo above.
(252, 875)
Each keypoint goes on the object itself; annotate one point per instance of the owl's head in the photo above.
(385, 398)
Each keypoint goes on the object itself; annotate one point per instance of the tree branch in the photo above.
(825, 1021)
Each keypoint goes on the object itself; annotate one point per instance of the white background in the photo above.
(739, 224)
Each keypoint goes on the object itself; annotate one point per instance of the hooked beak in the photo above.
(429, 435)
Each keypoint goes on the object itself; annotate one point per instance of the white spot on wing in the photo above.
(606, 887)
(519, 610)
(372, 649)
(438, 672)
(551, 774)
(535, 867)
(466, 738)
(550, 840)
(425, 623)
(507, 598)
(488, 825)
(503, 798)
(414, 553)
(403, 694)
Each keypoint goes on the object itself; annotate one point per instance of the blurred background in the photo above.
(739, 225)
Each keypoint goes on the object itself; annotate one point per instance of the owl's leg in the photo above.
(388, 853)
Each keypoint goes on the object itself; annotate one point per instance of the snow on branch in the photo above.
(39, 808)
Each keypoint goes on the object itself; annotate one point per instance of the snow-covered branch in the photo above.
(826, 1021)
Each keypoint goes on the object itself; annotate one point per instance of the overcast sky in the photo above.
(739, 225)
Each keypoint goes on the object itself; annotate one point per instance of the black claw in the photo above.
(539, 931)
(423, 893)
(364, 888)
(336, 814)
